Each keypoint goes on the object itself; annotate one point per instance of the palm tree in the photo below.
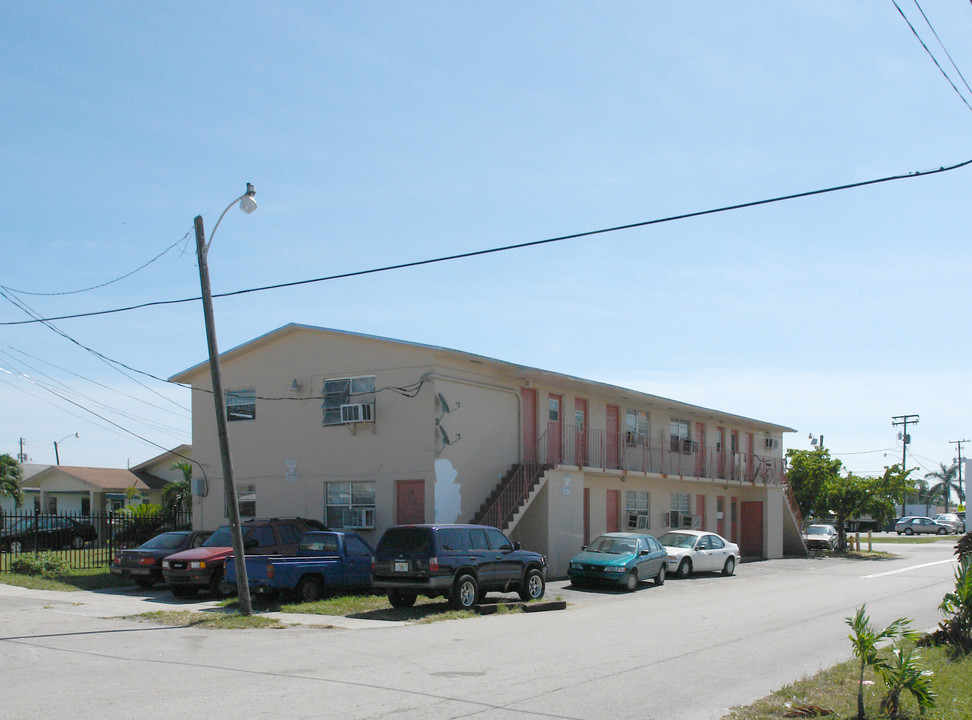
(10, 477)
(176, 495)
(947, 477)
(865, 640)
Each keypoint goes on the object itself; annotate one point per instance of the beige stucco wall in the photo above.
(402, 444)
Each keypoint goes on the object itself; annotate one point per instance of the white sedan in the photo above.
(694, 551)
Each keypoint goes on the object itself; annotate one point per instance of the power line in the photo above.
(115, 365)
(934, 60)
(101, 285)
(506, 248)
(947, 54)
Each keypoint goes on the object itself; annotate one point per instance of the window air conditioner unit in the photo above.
(360, 518)
(358, 412)
(688, 446)
(685, 521)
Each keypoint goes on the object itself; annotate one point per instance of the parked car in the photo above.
(911, 525)
(619, 558)
(144, 563)
(201, 568)
(821, 536)
(46, 532)
(952, 520)
(695, 551)
(325, 560)
(459, 562)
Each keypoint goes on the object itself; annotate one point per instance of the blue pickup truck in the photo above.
(325, 561)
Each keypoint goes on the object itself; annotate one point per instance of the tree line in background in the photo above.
(821, 491)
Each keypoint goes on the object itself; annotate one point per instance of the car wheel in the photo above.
(77, 542)
(214, 584)
(730, 567)
(401, 599)
(660, 577)
(464, 593)
(144, 583)
(631, 581)
(942, 531)
(908, 531)
(533, 586)
(310, 589)
(685, 568)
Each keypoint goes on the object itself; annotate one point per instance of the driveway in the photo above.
(687, 650)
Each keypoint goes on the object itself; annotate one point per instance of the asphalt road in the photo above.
(689, 649)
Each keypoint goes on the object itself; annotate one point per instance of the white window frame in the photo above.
(246, 500)
(637, 509)
(241, 404)
(359, 389)
(636, 427)
(352, 502)
(680, 508)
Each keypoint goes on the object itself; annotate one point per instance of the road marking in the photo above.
(907, 569)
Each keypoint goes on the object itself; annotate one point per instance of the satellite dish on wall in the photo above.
(446, 408)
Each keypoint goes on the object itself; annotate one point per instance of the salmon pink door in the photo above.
(613, 510)
(411, 502)
(751, 544)
(612, 439)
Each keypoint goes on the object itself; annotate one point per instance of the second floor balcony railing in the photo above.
(569, 445)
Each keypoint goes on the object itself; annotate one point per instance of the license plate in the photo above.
(401, 566)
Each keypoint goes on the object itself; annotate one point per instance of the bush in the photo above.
(47, 564)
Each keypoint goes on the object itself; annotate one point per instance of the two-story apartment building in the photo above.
(367, 432)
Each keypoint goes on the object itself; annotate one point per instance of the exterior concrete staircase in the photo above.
(512, 496)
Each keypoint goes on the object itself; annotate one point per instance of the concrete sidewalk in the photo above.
(123, 602)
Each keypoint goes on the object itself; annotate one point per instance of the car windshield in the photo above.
(818, 530)
(165, 541)
(613, 545)
(676, 539)
(20, 526)
(220, 538)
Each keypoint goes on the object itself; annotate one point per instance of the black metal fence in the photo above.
(85, 541)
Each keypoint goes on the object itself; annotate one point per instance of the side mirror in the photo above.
(583, 548)
(516, 546)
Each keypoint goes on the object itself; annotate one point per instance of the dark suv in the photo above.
(202, 567)
(459, 562)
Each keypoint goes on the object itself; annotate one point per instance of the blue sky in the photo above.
(382, 133)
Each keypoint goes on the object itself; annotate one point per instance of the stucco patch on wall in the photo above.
(448, 498)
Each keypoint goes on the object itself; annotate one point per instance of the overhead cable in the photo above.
(505, 248)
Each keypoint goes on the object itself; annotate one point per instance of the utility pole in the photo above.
(247, 205)
(903, 420)
(22, 456)
(959, 462)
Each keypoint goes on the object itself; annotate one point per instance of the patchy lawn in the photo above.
(835, 689)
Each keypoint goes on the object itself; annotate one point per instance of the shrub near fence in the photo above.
(84, 541)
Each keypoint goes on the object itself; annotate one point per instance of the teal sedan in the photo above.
(619, 558)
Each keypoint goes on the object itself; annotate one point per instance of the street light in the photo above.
(247, 205)
(57, 458)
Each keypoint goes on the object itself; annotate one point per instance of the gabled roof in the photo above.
(511, 369)
(101, 478)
